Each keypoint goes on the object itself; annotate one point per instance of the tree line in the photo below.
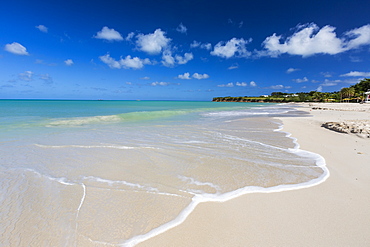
(354, 93)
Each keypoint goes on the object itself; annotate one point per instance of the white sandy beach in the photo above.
(333, 213)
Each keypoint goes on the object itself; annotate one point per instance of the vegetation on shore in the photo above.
(354, 93)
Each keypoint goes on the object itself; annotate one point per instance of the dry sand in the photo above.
(334, 213)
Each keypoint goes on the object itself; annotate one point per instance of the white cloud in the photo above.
(169, 61)
(241, 84)
(128, 62)
(145, 78)
(133, 63)
(277, 87)
(309, 40)
(130, 36)
(291, 70)
(181, 28)
(356, 74)
(230, 84)
(328, 83)
(26, 76)
(185, 76)
(42, 28)
(152, 43)
(306, 41)
(160, 83)
(186, 58)
(319, 89)
(107, 59)
(108, 34)
(233, 47)
(16, 48)
(68, 62)
(238, 84)
(234, 66)
(206, 46)
(304, 79)
(195, 44)
(200, 76)
(361, 36)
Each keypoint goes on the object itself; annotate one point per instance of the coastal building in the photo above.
(367, 96)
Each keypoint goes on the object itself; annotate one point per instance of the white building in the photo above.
(367, 96)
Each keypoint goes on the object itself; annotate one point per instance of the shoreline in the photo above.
(333, 213)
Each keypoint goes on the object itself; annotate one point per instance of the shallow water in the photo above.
(95, 173)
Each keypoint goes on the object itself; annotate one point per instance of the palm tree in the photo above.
(317, 96)
(351, 92)
(344, 92)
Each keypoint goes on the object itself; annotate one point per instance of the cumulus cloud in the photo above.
(160, 83)
(128, 62)
(238, 84)
(185, 76)
(145, 78)
(358, 37)
(130, 36)
(153, 43)
(277, 87)
(68, 62)
(200, 76)
(108, 34)
(299, 80)
(186, 58)
(133, 63)
(196, 44)
(291, 70)
(42, 28)
(230, 84)
(233, 47)
(16, 48)
(253, 84)
(169, 61)
(309, 40)
(241, 84)
(181, 28)
(356, 74)
(319, 89)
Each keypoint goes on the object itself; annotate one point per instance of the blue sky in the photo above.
(180, 50)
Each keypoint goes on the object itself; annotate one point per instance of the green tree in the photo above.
(362, 86)
(318, 96)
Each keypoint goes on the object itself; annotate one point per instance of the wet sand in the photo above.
(333, 213)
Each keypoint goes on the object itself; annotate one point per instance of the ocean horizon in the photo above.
(117, 172)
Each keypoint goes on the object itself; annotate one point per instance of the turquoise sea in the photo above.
(97, 173)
